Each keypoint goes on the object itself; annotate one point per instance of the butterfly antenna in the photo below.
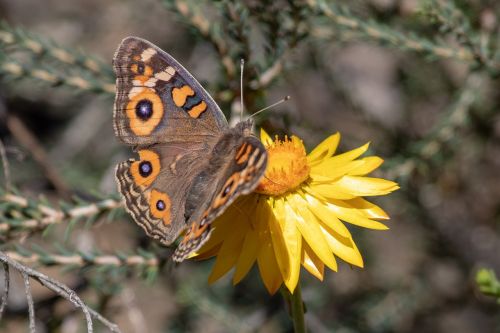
(242, 67)
(284, 99)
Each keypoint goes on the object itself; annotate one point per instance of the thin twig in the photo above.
(5, 295)
(6, 170)
(20, 39)
(70, 295)
(206, 29)
(457, 23)
(49, 76)
(28, 140)
(62, 290)
(29, 299)
(80, 260)
(384, 34)
(268, 76)
(47, 215)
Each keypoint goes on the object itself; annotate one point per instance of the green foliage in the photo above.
(26, 55)
(440, 32)
(488, 283)
(25, 215)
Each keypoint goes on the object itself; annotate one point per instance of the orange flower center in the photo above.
(287, 166)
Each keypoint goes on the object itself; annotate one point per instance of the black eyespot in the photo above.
(227, 189)
(145, 168)
(140, 68)
(144, 109)
(160, 205)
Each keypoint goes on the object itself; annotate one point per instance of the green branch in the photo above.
(453, 21)
(24, 55)
(50, 76)
(43, 258)
(209, 30)
(374, 31)
(18, 39)
(146, 264)
(19, 214)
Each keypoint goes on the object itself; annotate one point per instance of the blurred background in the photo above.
(418, 79)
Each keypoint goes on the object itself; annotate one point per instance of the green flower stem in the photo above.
(296, 308)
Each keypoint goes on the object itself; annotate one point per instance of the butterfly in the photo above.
(191, 165)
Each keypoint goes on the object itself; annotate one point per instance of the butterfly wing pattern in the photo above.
(224, 180)
(191, 164)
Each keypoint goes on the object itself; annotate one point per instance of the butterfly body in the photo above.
(191, 164)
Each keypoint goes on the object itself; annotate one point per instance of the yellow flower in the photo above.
(296, 216)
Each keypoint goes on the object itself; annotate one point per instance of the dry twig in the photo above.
(57, 287)
(28, 140)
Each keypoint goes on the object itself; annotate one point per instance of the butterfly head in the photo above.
(245, 127)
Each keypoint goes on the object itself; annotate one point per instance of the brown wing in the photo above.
(155, 187)
(236, 166)
(157, 100)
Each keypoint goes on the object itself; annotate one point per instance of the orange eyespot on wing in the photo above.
(160, 205)
(195, 232)
(144, 112)
(142, 71)
(180, 95)
(145, 171)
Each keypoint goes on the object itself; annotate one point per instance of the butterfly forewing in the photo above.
(236, 166)
(157, 100)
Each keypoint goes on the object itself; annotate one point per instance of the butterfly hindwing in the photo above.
(155, 187)
(157, 100)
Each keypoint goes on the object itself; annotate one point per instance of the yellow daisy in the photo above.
(296, 215)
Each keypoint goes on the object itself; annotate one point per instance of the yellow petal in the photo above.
(235, 220)
(367, 208)
(370, 163)
(226, 258)
(325, 149)
(329, 191)
(317, 178)
(312, 263)
(342, 247)
(276, 228)
(205, 253)
(339, 160)
(268, 267)
(327, 216)
(365, 186)
(308, 226)
(288, 239)
(324, 169)
(248, 255)
(265, 138)
(352, 216)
